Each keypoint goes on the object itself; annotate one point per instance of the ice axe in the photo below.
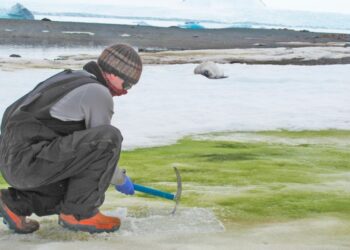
(155, 192)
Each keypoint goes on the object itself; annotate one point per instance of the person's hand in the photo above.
(127, 187)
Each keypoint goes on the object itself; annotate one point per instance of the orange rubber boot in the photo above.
(98, 223)
(20, 224)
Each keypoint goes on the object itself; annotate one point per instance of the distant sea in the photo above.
(329, 22)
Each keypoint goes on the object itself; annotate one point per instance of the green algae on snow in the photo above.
(252, 181)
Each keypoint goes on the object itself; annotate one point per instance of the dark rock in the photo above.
(148, 49)
(15, 55)
(46, 19)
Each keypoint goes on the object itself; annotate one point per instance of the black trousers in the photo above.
(70, 175)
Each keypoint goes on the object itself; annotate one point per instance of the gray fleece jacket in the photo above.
(92, 103)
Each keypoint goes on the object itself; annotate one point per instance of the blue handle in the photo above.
(154, 192)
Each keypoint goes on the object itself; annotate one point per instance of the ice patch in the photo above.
(79, 33)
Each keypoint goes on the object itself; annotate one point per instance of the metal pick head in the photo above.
(179, 189)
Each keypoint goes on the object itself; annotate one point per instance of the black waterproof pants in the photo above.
(68, 175)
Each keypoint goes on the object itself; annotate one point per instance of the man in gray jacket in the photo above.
(58, 149)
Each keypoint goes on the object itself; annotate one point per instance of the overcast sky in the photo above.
(342, 6)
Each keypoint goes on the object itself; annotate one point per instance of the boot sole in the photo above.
(85, 228)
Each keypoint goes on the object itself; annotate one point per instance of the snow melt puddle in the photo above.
(187, 221)
(156, 222)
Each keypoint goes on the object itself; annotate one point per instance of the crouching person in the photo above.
(58, 149)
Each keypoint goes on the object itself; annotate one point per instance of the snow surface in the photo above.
(170, 101)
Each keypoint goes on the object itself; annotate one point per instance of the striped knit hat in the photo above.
(122, 61)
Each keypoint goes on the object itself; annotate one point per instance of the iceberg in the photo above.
(17, 11)
(191, 25)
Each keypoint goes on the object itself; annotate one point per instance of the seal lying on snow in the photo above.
(210, 70)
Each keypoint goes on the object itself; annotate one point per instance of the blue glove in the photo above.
(127, 187)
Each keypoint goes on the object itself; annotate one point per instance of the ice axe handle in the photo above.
(154, 192)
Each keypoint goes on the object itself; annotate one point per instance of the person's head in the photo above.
(121, 67)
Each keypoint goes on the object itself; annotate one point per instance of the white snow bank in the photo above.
(324, 51)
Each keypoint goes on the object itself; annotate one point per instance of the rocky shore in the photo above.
(172, 45)
(69, 34)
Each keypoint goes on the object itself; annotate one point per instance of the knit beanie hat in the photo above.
(122, 61)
